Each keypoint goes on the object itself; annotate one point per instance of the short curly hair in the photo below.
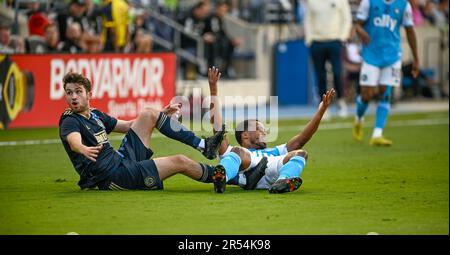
(241, 128)
(72, 77)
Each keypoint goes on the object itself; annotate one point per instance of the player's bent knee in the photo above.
(302, 153)
(239, 151)
(366, 97)
(182, 160)
(244, 155)
(149, 114)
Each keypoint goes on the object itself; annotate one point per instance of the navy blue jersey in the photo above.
(93, 132)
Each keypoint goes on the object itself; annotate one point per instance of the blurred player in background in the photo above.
(285, 162)
(84, 134)
(378, 26)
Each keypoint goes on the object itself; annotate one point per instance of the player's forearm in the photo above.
(75, 143)
(215, 108)
(359, 29)
(412, 41)
(215, 113)
(298, 141)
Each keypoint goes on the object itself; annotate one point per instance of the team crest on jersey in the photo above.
(149, 181)
(397, 11)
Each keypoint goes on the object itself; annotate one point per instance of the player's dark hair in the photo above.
(241, 128)
(77, 78)
(222, 2)
(199, 5)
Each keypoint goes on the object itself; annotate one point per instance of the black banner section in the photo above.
(226, 244)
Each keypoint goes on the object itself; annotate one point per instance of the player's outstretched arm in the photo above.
(215, 107)
(297, 142)
(76, 145)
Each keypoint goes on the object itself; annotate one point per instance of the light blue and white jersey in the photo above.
(258, 154)
(275, 157)
(383, 20)
(270, 152)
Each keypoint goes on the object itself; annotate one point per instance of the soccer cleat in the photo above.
(212, 144)
(286, 185)
(219, 179)
(254, 174)
(380, 141)
(357, 131)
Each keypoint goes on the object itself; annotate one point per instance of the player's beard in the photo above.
(261, 145)
(81, 106)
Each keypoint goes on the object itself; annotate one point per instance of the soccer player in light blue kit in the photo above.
(253, 165)
(378, 26)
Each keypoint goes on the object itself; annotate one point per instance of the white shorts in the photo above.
(373, 76)
(274, 164)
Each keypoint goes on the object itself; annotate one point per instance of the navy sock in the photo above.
(207, 173)
(175, 130)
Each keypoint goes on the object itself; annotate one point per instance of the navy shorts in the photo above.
(136, 171)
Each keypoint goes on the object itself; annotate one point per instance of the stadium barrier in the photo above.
(32, 93)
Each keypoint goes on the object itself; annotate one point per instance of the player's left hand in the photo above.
(415, 69)
(213, 77)
(327, 98)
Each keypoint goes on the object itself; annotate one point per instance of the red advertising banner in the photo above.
(32, 93)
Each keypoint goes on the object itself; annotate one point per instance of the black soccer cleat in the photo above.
(286, 185)
(254, 174)
(212, 144)
(219, 179)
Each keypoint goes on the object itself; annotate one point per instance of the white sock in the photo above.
(242, 180)
(359, 120)
(201, 145)
(377, 132)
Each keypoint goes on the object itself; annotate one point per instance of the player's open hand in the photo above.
(213, 77)
(415, 69)
(92, 152)
(327, 98)
(171, 109)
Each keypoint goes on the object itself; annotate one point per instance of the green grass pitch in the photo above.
(349, 188)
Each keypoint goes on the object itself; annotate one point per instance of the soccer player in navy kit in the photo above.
(84, 134)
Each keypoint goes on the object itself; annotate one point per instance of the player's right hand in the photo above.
(327, 98)
(92, 152)
(365, 37)
(213, 77)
